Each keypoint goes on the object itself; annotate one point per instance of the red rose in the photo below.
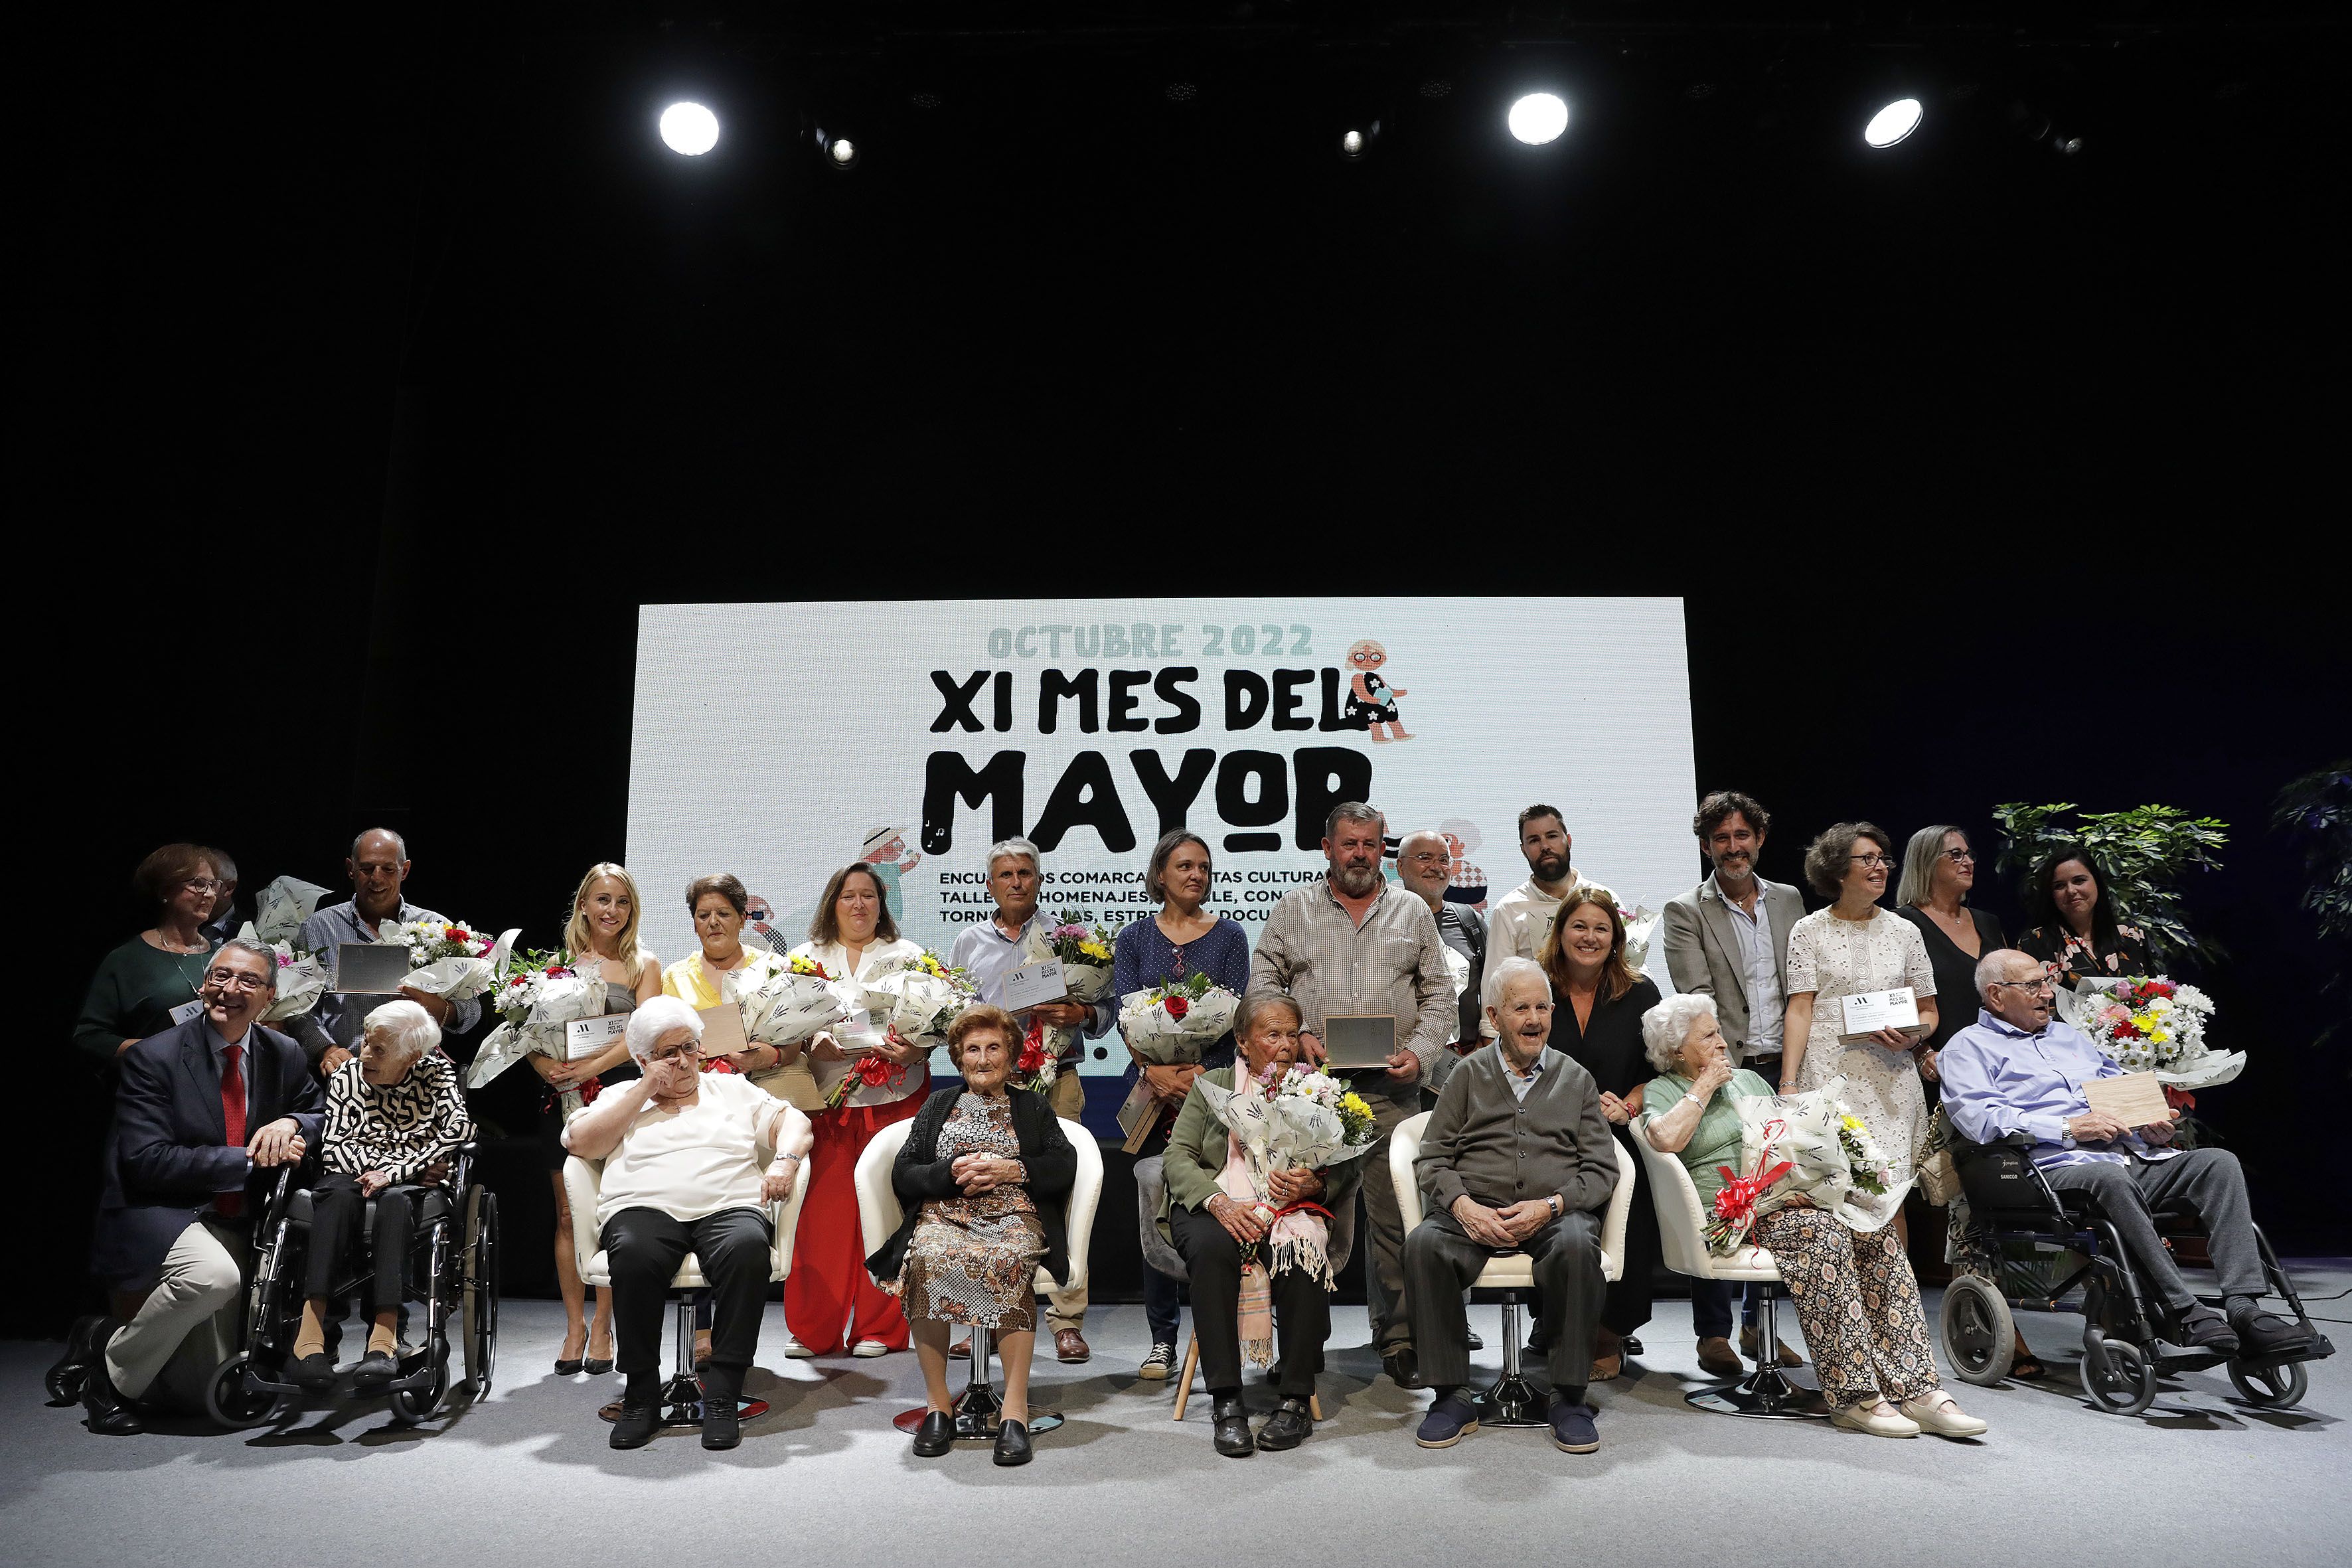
(553, 971)
(1177, 1006)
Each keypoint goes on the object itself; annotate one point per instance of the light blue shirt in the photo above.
(1999, 1079)
(344, 1018)
(1521, 1082)
(986, 955)
(1760, 970)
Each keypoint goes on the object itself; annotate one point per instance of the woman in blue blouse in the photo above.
(1179, 940)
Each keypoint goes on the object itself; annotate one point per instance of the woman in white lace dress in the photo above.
(1854, 946)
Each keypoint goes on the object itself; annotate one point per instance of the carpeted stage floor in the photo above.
(824, 1480)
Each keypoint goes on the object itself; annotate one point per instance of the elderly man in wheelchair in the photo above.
(2015, 1076)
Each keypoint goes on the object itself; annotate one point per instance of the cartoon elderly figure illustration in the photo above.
(1372, 701)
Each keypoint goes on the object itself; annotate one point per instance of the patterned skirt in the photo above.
(974, 1261)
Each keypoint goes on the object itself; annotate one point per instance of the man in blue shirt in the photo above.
(2016, 1070)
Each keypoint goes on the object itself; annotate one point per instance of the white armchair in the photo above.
(879, 1213)
(681, 1397)
(1511, 1401)
(1769, 1391)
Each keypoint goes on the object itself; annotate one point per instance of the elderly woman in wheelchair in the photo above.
(2013, 1090)
(1854, 1294)
(395, 1119)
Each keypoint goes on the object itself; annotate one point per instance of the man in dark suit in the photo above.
(202, 1108)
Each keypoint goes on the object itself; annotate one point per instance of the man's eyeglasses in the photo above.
(234, 980)
(1430, 857)
(1869, 860)
(2044, 984)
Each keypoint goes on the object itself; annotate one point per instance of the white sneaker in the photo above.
(1877, 1418)
(796, 1351)
(869, 1348)
(1939, 1413)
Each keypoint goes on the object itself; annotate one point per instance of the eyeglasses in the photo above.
(1870, 860)
(674, 1056)
(202, 885)
(1961, 857)
(1430, 857)
(234, 980)
(2044, 984)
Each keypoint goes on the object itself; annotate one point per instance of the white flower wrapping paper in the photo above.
(1803, 1130)
(1285, 1132)
(1640, 923)
(1087, 982)
(452, 978)
(554, 1003)
(302, 978)
(918, 1005)
(784, 1008)
(284, 905)
(1155, 1037)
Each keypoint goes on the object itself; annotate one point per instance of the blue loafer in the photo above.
(1449, 1421)
(1572, 1431)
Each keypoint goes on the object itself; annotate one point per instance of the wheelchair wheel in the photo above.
(408, 1409)
(1980, 1334)
(2270, 1387)
(230, 1404)
(479, 1319)
(2129, 1386)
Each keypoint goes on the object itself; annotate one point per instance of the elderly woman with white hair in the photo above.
(682, 1174)
(1854, 1293)
(394, 1119)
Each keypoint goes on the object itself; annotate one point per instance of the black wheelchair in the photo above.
(2122, 1359)
(452, 1268)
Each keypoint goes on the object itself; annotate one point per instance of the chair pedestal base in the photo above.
(1512, 1400)
(1773, 1392)
(681, 1397)
(978, 1411)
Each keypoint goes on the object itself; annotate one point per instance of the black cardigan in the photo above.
(919, 1174)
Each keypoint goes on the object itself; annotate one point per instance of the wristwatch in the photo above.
(1557, 1207)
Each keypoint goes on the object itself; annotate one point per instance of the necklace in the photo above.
(168, 945)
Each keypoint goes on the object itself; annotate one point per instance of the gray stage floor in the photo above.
(525, 1478)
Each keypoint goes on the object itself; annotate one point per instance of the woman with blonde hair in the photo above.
(602, 938)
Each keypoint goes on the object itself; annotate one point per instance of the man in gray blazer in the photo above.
(1728, 938)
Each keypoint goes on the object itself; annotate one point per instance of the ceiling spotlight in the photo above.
(689, 129)
(1893, 123)
(1538, 118)
(843, 152)
(1351, 144)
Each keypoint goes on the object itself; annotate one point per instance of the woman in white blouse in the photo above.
(830, 1300)
(682, 1174)
(1851, 947)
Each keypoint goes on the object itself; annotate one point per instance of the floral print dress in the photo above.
(973, 1260)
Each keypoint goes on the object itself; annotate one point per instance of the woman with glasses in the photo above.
(1939, 870)
(149, 984)
(1851, 947)
(682, 1174)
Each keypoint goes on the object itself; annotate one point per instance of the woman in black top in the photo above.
(1598, 1001)
(2073, 925)
(1939, 869)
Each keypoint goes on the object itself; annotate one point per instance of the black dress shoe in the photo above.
(1631, 1346)
(1288, 1427)
(110, 1413)
(2267, 1333)
(313, 1371)
(722, 1423)
(936, 1436)
(1473, 1340)
(2208, 1331)
(1230, 1427)
(82, 1345)
(376, 1369)
(1403, 1368)
(1013, 1444)
(636, 1424)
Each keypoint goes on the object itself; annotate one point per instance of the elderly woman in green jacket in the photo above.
(1210, 1216)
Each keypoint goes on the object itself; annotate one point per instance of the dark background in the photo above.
(381, 365)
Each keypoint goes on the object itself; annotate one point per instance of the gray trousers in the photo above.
(1386, 1297)
(1440, 1262)
(2206, 1180)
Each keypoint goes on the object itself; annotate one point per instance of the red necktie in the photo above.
(233, 1117)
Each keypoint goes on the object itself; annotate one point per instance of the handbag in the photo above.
(1939, 1178)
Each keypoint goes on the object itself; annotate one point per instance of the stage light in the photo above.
(1538, 118)
(1351, 145)
(1893, 123)
(843, 151)
(689, 129)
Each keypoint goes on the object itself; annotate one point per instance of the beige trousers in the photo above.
(199, 1278)
(1066, 1309)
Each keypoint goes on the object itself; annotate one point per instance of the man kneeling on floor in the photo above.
(1516, 1158)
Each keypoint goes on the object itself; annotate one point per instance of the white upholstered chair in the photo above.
(1770, 1391)
(977, 1408)
(681, 1397)
(1511, 1401)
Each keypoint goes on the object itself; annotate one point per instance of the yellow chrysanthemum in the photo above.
(1095, 949)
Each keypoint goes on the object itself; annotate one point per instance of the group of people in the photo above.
(1537, 1049)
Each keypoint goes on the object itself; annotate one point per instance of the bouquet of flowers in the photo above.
(2152, 1025)
(538, 994)
(1084, 953)
(1640, 922)
(1806, 1145)
(449, 958)
(285, 904)
(919, 999)
(790, 1002)
(1305, 1119)
(1035, 1065)
(1172, 1024)
(302, 977)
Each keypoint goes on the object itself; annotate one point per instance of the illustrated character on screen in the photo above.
(1372, 701)
(1465, 883)
(886, 850)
